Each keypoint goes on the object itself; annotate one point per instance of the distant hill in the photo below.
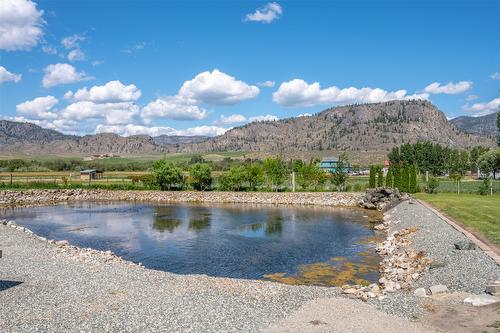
(356, 128)
(363, 127)
(175, 139)
(484, 125)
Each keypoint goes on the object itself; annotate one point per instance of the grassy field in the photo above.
(480, 213)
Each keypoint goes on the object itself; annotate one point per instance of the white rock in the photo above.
(420, 292)
(481, 300)
(438, 289)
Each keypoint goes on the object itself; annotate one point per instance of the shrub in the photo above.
(432, 185)
(254, 175)
(380, 177)
(200, 176)
(166, 174)
(484, 188)
(275, 171)
(372, 181)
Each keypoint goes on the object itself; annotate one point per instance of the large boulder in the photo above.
(381, 198)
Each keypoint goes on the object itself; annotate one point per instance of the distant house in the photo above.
(91, 174)
(329, 164)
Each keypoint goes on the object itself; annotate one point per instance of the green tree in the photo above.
(405, 179)
(309, 175)
(166, 174)
(389, 178)
(433, 185)
(200, 176)
(489, 162)
(373, 173)
(275, 171)
(397, 176)
(413, 179)
(340, 174)
(234, 179)
(498, 126)
(380, 177)
(475, 153)
(458, 165)
(254, 175)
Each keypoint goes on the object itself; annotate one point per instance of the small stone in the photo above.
(481, 300)
(420, 292)
(438, 289)
(62, 243)
(465, 245)
(379, 227)
(347, 291)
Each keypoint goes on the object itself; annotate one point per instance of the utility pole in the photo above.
(293, 181)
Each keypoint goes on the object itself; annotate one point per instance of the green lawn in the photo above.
(480, 213)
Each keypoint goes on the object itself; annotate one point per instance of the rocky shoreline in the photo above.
(44, 197)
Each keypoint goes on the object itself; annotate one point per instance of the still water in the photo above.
(319, 246)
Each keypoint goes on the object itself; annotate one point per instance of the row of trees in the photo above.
(436, 159)
(402, 177)
(273, 173)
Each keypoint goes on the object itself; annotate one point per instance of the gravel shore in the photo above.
(468, 271)
(42, 289)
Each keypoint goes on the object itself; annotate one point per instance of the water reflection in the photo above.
(239, 241)
(163, 223)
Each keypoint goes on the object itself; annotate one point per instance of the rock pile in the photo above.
(363, 292)
(401, 265)
(381, 198)
(63, 248)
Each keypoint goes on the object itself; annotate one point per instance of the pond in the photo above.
(295, 245)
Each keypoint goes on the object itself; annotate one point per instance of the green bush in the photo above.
(200, 176)
(432, 185)
(484, 188)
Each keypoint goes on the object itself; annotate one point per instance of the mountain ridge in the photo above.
(357, 127)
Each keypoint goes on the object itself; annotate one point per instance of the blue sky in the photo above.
(163, 67)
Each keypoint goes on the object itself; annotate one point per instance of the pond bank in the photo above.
(43, 288)
(37, 197)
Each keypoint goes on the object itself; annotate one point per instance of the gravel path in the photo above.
(467, 271)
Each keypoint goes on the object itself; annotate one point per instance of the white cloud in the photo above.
(39, 108)
(57, 74)
(495, 76)
(217, 88)
(450, 88)
(130, 129)
(49, 49)
(305, 115)
(113, 91)
(231, 119)
(267, 117)
(481, 109)
(266, 84)
(20, 25)
(471, 98)
(135, 47)
(173, 107)
(6, 76)
(113, 113)
(270, 12)
(76, 55)
(97, 62)
(72, 41)
(297, 93)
